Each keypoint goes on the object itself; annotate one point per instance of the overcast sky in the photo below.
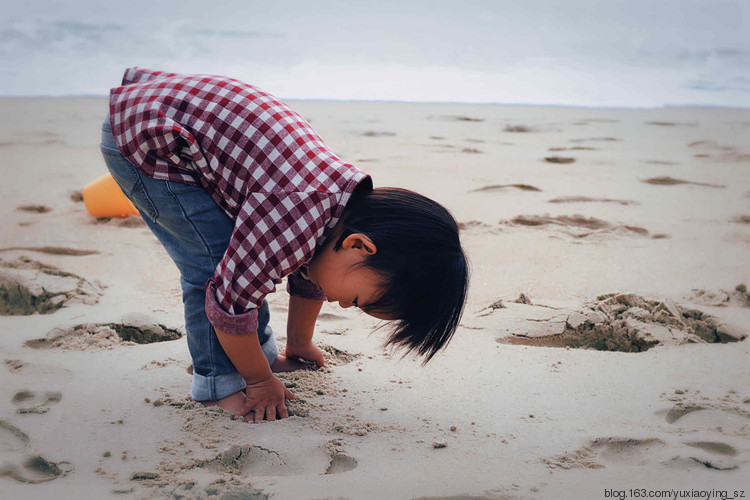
(631, 53)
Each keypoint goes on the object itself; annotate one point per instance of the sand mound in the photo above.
(28, 287)
(737, 297)
(631, 323)
(134, 329)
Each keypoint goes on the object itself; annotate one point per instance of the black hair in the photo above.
(424, 271)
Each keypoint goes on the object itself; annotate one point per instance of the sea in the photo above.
(597, 53)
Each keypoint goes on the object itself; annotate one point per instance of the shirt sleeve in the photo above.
(275, 233)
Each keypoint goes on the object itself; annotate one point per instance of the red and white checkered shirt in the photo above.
(257, 158)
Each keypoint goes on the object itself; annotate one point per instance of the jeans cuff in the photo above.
(216, 387)
(220, 386)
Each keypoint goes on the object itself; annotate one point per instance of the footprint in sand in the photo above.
(37, 372)
(12, 438)
(31, 402)
(614, 452)
(15, 365)
(693, 417)
(603, 452)
(28, 287)
(696, 418)
(35, 469)
(341, 463)
(246, 461)
(134, 329)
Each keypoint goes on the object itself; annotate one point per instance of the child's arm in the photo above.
(300, 327)
(265, 393)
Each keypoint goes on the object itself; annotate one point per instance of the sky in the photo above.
(602, 53)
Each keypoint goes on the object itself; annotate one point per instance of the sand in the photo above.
(604, 345)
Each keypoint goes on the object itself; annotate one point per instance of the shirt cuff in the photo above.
(298, 286)
(233, 324)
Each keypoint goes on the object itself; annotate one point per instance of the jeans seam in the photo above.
(211, 379)
(185, 217)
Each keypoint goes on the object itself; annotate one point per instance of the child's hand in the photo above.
(306, 351)
(266, 399)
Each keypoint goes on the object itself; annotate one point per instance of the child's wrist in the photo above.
(262, 375)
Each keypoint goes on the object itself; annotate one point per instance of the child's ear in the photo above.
(361, 243)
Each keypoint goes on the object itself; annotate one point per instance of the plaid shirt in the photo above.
(257, 158)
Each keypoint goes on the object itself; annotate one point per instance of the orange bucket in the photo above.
(104, 198)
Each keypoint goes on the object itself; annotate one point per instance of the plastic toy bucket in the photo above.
(104, 198)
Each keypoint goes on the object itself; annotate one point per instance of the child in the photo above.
(242, 192)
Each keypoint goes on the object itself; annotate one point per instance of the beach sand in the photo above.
(600, 348)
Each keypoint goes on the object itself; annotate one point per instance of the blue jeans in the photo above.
(195, 232)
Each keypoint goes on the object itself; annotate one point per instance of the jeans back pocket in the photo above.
(129, 179)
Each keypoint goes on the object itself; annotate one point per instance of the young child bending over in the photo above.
(242, 192)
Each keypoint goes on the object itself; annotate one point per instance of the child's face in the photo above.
(337, 273)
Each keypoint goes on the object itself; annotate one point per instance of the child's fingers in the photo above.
(271, 413)
(259, 414)
(246, 408)
(289, 395)
(282, 411)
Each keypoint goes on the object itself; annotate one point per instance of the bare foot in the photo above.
(284, 364)
(232, 403)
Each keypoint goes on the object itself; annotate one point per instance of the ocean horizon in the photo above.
(394, 101)
(616, 54)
